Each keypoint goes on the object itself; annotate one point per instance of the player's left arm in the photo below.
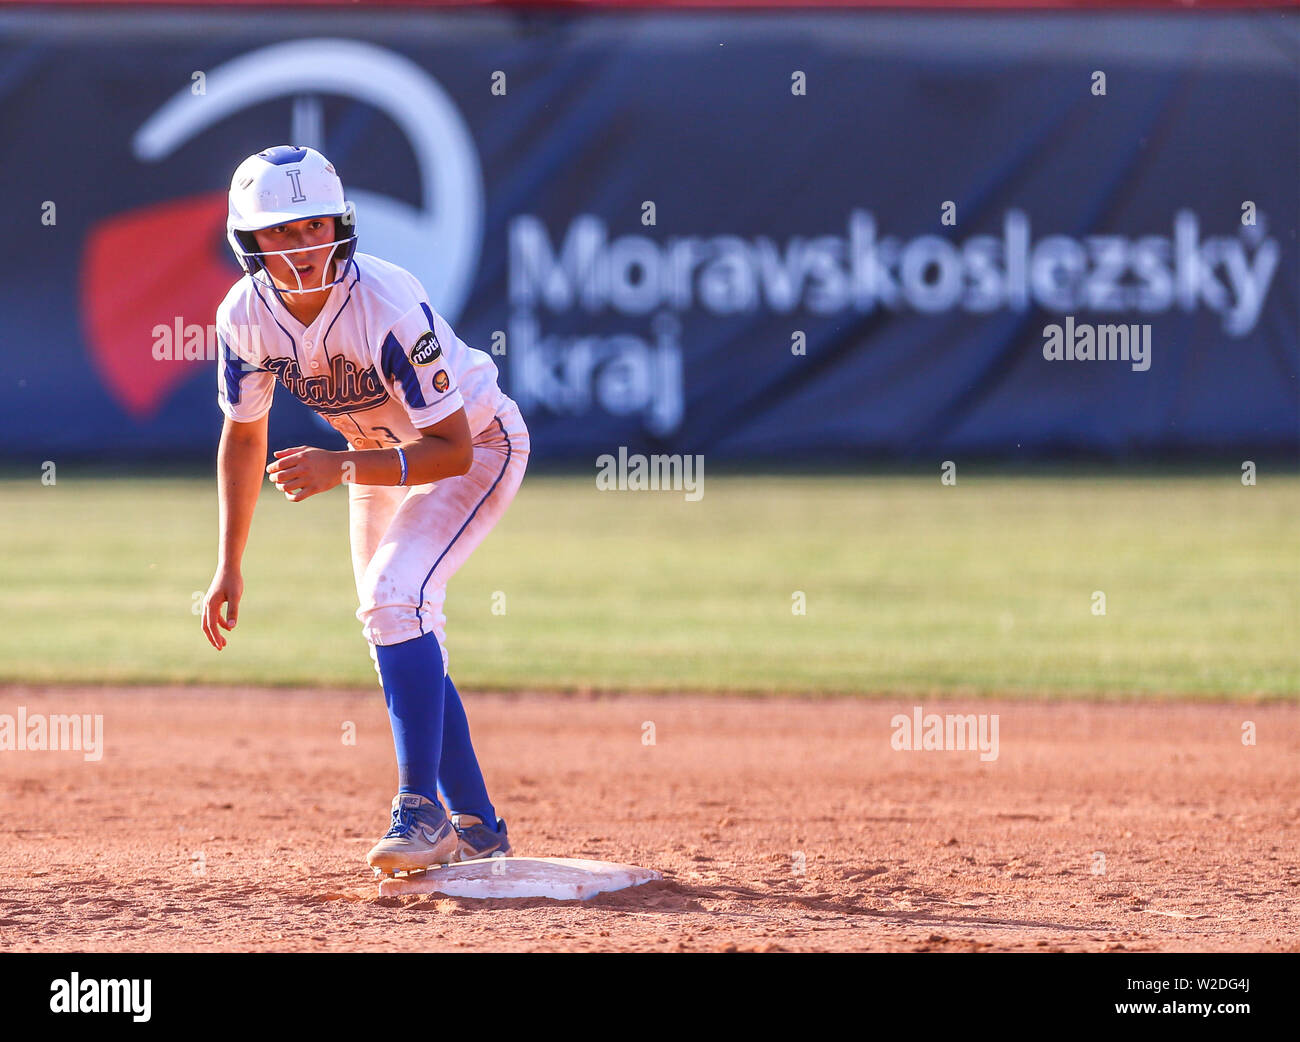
(444, 449)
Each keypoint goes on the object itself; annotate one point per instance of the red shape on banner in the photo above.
(148, 268)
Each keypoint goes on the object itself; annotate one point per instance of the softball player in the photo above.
(436, 454)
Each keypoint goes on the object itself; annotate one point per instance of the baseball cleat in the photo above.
(477, 840)
(419, 838)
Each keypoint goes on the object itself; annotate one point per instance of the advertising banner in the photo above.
(829, 236)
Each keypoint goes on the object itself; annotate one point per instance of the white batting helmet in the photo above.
(280, 185)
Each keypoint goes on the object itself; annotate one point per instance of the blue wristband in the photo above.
(401, 455)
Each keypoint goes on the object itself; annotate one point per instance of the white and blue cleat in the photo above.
(477, 840)
(420, 837)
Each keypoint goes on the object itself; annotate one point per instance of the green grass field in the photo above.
(910, 587)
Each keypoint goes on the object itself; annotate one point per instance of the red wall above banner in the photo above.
(576, 5)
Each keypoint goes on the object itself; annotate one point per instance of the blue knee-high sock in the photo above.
(414, 690)
(460, 781)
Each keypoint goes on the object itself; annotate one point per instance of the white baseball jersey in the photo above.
(377, 363)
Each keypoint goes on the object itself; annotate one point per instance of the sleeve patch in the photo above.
(426, 350)
(441, 381)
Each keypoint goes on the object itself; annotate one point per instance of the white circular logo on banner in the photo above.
(439, 241)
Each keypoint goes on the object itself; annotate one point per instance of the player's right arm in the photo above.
(241, 457)
(244, 392)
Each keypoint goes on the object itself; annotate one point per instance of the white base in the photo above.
(561, 878)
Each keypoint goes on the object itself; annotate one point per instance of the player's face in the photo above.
(309, 265)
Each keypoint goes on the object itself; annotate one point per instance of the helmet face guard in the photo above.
(253, 260)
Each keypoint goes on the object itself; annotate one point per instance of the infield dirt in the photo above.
(237, 820)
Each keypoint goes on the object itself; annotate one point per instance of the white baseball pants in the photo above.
(407, 542)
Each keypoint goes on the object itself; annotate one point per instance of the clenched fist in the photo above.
(302, 471)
